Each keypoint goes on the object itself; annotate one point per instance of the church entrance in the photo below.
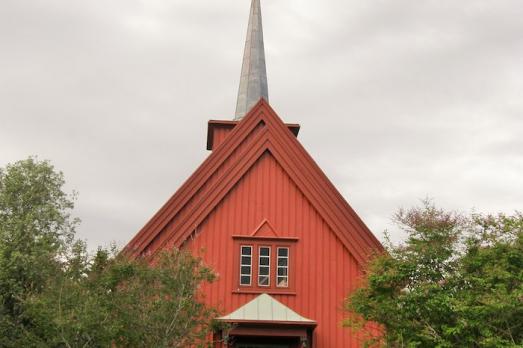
(266, 342)
(266, 323)
(262, 346)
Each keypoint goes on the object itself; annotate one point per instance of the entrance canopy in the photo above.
(264, 316)
(266, 308)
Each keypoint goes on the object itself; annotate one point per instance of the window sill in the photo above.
(265, 291)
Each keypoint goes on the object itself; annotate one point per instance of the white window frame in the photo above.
(265, 266)
(278, 267)
(245, 265)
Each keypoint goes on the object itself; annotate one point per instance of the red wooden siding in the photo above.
(259, 171)
(217, 131)
(325, 272)
(259, 131)
(195, 201)
(219, 135)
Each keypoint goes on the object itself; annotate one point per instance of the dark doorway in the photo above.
(267, 342)
(254, 345)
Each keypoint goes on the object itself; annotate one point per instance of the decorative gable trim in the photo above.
(164, 230)
(265, 229)
(282, 239)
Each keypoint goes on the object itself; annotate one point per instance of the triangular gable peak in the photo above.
(265, 229)
(259, 131)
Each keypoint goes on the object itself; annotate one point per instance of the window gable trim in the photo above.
(268, 239)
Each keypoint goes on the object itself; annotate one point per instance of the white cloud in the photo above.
(397, 100)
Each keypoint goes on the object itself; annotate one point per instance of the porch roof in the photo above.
(266, 308)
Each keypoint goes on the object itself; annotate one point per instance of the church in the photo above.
(286, 246)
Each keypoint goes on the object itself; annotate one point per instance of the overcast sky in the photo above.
(398, 100)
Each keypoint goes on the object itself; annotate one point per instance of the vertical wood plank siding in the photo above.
(259, 171)
(219, 135)
(207, 186)
(325, 271)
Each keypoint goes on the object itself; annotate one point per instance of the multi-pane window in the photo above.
(264, 266)
(246, 265)
(282, 275)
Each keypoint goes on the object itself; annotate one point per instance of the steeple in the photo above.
(253, 80)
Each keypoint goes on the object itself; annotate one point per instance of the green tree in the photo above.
(455, 282)
(35, 229)
(114, 301)
(53, 293)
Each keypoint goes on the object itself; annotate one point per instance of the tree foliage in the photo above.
(35, 229)
(116, 301)
(53, 293)
(455, 282)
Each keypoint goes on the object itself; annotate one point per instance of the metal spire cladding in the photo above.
(253, 79)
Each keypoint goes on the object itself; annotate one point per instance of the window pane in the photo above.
(264, 261)
(264, 271)
(283, 252)
(263, 280)
(283, 262)
(245, 280)
(246, 270)
(246, 260)
(283, 282)
(246, 250)
(264, 251)
(282, 271)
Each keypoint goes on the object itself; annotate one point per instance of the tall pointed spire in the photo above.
(253, 80)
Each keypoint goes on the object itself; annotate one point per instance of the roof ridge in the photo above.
(305, 173)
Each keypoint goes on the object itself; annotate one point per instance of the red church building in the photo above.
(286, 246)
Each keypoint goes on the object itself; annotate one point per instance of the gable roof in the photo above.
(261, 130)
(265, 308)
